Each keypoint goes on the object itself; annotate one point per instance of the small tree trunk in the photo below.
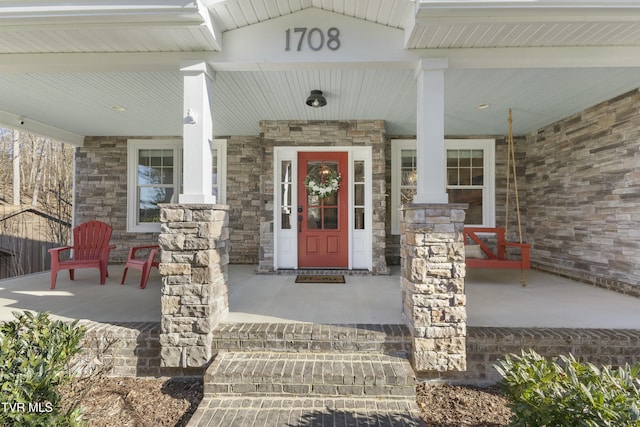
(16, 168)
(39, 166)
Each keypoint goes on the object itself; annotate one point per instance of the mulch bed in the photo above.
(125, 402)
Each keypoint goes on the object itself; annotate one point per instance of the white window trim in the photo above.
(489, 182)
(488, 145)
(221, 146)
(397, 145)
(133, 146)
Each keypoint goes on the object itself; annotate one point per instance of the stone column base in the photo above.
(194, 240)
(433, 271)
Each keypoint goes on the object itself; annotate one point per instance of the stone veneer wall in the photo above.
(101, 191)
(323, 133)
(245, 171)
(194, 266)
(583, 195)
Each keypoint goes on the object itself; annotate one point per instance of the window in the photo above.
(154, 177)
(470, 178)
(219, 170)
(359, 195)
(465, 181)
(286, 191)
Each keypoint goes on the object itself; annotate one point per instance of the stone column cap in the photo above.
(194, 206)
(413, 206)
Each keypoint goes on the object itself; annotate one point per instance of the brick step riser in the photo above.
(325, 390)
(335, 374)
(391, 348)
(392, 340)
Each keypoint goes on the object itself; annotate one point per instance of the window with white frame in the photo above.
(470, 165)
(155, 176)
(219, 170)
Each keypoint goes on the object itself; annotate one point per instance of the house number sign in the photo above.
(315, 39)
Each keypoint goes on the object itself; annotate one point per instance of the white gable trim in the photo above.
(264, 43)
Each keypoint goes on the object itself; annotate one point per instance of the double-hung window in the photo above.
(154, 177)
(470, 178)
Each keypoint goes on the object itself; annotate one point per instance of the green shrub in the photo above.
(566, 392)
(34, 356)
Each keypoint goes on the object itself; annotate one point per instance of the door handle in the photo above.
(300, 218)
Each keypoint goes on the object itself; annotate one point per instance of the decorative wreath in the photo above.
(324, 189)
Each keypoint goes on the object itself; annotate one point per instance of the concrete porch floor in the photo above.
(494, 298)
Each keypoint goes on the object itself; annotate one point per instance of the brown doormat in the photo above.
(316, 278)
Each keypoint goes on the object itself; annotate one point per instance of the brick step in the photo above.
(306, 411)
(308, 374)
(295, 337)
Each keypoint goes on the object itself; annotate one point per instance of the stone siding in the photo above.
(245, 171)
(194, 266)
(583, 195)
(101, 191)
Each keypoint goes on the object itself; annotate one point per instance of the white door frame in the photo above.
(285, 242)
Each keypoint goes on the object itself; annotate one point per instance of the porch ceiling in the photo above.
(81, 103)
(66, 64)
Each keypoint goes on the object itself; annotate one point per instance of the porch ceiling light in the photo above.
(316, 99)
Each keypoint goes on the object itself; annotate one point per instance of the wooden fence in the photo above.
(25, 237)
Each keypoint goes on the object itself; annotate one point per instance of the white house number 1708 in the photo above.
(314, 37)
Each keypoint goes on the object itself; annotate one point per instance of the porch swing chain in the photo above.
(511, 163)
(511, 166)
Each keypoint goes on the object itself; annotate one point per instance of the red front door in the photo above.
(323, 238)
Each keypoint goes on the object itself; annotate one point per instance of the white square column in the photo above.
(430, 153)
(197, 133)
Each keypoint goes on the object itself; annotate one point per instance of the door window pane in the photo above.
(358, 195)
(358, 171)
(285, 220)
(331, 200)
(359, 219)
(331, 218)
(322, 210)
(286, 187)
(314, 218)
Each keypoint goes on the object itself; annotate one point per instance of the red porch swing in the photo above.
(486, 257)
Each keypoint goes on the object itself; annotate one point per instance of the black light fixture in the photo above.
(316, 99)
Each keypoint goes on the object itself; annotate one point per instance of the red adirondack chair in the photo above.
(143, 264)
(90, 250)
